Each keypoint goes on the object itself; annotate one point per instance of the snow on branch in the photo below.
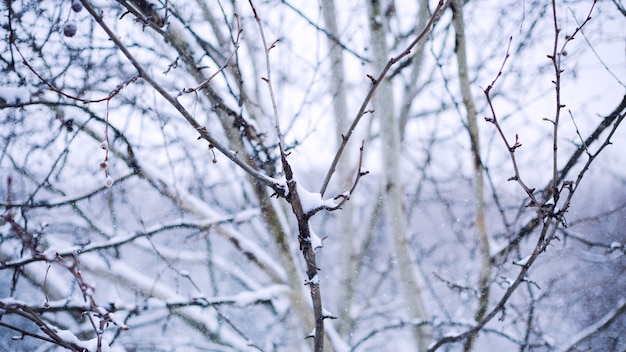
(597, 327)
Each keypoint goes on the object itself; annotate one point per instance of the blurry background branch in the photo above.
(107, 191)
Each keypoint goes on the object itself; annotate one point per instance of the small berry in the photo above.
(104, 145)
(69, 29)
(77, 6)
(109, 181)
(104, 165)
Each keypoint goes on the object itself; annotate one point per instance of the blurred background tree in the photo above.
(474, 148)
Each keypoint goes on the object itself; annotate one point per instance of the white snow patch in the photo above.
(312, 200)
(523, 261)
(316, 241)
(108, 182)
(92, 345)
(326, 313)
(9, 301)
(282, 304)
(14, 95)
(495, 248)
(549, 340)
(264, 294)
(68, 337)
(51, 253)
(116, 318)
(312, 334)
(156, 303)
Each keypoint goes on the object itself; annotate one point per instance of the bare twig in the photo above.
(268, 80)
(72, 266)
(111, 95)
(275, 184)
(578, 133)
(375, 82)
(326, 32)
(614, 119)
(344, 197)
(620, 7)
(223, 67)
(551, 216)
(597, 327)
(304, 230)
(510, 148)
(540, 247)
(555, 59)
(25, 312)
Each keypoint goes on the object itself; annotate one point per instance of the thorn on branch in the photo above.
(490, 119)
(374, 81)
(265, 79)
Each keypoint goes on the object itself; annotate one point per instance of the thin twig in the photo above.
(275, 184)
(326, 32)
(615, 118)
(346, 195)
(111, 95)
(510, 148)
(375, 82)
(547, 214)
(578, 132)
(268, 80)
(223, 67)
(555, 59)
(304, 230)
(521, 277)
